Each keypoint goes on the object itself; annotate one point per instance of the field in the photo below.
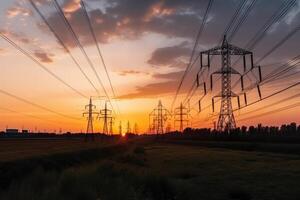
(144, 169)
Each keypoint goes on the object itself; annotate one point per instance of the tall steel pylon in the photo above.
(157, 119)
(181, 116)
(106, 116)
(226, 119)
(90, 112)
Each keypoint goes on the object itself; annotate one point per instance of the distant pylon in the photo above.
(136, 131)
(128, 128)
(226, 119)
(106, 116)
(120, 128)
(181, 116)
(157, 119)
(90, 112)
(111, 123)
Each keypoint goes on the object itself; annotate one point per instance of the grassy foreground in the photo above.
(163, 171)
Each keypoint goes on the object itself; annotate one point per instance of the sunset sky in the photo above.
(146, 45)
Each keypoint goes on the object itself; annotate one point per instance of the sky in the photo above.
(146, 46)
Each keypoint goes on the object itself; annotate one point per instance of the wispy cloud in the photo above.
(131, 72)
(44, 57)
(152, 90)
(17, 11)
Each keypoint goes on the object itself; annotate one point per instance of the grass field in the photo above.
(155, 170)
(15, 149)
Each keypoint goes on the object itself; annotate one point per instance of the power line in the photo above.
(37, 105)
(69, 27)
(40, 64)
(277, 45)
(277, 16)
(193, 51)
(98, 47)
(28, 115)
(269, 96)
(273, 104)
(60, 41)
(272, 111)
(242, 19)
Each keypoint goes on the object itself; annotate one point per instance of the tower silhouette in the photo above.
(106, 116)
(157, 118)
(128, 128)
(181, 115)
(90, 112)
(226, 120)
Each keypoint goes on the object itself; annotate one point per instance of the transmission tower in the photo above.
(136, 129)
(120, 128)
(226, 119)
(111, 126)
(181, 116)
(106, 116)
(90, 112)
(157, 118)
(128, 128)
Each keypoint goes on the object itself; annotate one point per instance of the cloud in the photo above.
(2, 51)
(128, 19)
(44, 57)
(170, 76)
(131, 72)
(17, 11)
(293, 14)
(70, 6)
(18, 36)
(152, 90)
(172, 55)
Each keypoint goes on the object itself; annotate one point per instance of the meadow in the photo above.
(149, 169)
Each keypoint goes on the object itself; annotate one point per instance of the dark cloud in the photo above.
(128, 19)
(171, 55)
(152, 90)
(44, 57)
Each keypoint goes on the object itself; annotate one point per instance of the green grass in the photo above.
(167, 171)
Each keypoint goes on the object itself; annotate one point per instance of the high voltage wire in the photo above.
(60, 41)
(273, 104)
(275, 74)
(69, 27)
(98, 47)
(277, 16)
(264, 98)
(28, 115)
(193, 51)
(278, 44)
(36, 105)
(41, 65)
(269, 96)
(272, 112)
(242, 19)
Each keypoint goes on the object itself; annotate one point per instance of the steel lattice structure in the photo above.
(157, 119)
(90, 112)
(226, 119)
(181, 116)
